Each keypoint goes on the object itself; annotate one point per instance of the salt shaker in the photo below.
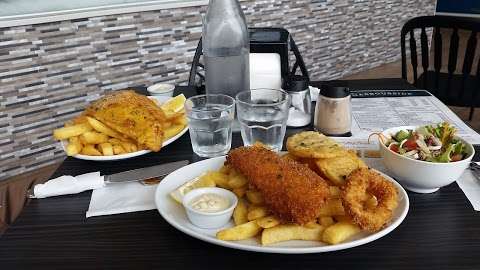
(333, 112)
(300, 111)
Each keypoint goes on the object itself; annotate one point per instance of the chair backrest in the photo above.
(197, 77)
(438, 23)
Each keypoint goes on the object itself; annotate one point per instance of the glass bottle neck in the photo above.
(224, 5)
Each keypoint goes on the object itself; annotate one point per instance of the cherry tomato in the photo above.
(456, 157)
(410, 145)
(394, 148)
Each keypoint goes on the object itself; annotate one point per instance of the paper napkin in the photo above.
(122, 198)
(68, 184)
(470, 185)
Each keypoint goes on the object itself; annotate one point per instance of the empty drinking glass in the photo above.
(263, 114)
(210, 120)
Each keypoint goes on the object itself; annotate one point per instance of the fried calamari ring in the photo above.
(356, 196)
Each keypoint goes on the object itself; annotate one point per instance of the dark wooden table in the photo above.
(441, 230)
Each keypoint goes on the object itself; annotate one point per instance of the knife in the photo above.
(144, 173)
(67, 184)
(475, 168)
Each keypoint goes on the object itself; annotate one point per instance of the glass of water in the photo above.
(263, 114)
(210, 120)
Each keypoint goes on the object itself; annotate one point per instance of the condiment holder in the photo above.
(300, 111)
(161, 89)
(333, 112)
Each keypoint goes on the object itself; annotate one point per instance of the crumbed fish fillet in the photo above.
(291, 190)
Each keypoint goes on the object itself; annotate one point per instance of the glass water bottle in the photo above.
(226, 48)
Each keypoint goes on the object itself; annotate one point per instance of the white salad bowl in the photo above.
(422, 176)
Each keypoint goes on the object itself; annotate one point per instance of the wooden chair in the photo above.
(451, 88)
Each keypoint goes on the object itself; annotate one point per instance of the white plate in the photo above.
(174, 214)
(159, 100)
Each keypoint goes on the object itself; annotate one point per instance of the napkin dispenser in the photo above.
(269, 60)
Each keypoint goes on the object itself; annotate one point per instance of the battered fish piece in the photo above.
(131, 114)
(291, 190)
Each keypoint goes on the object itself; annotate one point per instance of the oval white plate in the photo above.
(159, 100)
(174, 214)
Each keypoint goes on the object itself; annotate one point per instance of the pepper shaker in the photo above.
(333, 112)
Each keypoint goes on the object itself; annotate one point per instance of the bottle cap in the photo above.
(334, 91)
(295, 83)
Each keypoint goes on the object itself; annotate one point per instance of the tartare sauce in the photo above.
(209, 203)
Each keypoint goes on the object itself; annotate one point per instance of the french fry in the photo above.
(326, 221)
(172, 131)
(74, 146)
(71, 131)
(106, 148)
(311, 225)
(342, 218)
(257, 212)
(181, 120)
(220, 179)
(254, 197)
(102, 128)
(118, 149)
(237, 180)
(240, 192)
(128, 146)
(339, 232)
(226, 169)
(288, 232)
(240, 232)
(240, 213)
(332, 207)
(268, 222)
(93, 137)
(90, 150)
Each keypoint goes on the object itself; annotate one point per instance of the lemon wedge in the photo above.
(197, 182)
(175, 104)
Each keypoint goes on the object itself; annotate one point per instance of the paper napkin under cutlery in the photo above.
(106, 199)
(470, 186)
(122, 198)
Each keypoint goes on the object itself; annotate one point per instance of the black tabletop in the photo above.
(441, 230)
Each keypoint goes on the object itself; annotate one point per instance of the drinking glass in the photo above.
(210, 120)
(263, 114)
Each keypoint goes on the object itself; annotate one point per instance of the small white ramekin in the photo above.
(209, 220)
(161, 89)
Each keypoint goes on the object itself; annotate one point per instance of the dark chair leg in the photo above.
(470, 116)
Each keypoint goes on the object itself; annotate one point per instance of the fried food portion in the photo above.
(337, 169)
(292, 191)
(311, 144)
(357, 194)
(131, 114)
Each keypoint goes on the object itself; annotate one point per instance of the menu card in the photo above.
(377, 110)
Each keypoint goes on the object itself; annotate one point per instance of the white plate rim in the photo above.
(127, 155)
(267, 249)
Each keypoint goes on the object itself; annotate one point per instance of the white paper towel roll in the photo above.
(265, 71)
